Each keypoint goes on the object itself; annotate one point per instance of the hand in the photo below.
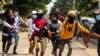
(13, 28)
(52, 32)
(95, 35)
(29, 39)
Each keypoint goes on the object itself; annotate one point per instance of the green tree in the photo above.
(26, 6)
(81, 5)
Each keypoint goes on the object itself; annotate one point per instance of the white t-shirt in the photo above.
(30, 26)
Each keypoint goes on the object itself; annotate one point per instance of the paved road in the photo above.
(79, 48)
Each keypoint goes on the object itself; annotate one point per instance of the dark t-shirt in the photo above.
(96, 28)
(10, 21)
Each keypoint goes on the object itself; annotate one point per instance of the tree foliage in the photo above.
(82, 6)
(26, 6)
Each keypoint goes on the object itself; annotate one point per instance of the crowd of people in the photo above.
(58, 29)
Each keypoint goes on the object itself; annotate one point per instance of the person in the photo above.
(85, 36)
(96, 29)
(39, 22)
(23, 28)
(18, 22)
(54, 25)
(68, 31)
(31, 30)
(8, 31)
(57, 12)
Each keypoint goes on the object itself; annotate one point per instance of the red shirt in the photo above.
(39, 24)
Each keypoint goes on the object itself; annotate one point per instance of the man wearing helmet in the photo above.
(40, 22)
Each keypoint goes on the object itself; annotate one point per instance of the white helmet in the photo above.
(34, 12)
(40, 11)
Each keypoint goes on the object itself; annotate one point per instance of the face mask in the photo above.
(34, 16)
(39, 16)
(16, 13)
(54, 21)
(98, 17)
(71, 19)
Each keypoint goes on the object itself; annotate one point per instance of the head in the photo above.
(16, 12)
(54, 18)
(9, 13)
(97, 15)
(85, 21)
(40, 14)
(71, 16)
(29, 17)
(57, 10)
(34, 14)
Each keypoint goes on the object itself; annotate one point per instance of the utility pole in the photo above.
(74, 1)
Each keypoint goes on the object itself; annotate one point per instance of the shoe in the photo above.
(53, 53)
(14, 52)
(31, 52)
(5, 54)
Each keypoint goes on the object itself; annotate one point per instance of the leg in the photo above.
(8, 44)
(32, 45)
(62, 48)
(53, 40)
(57, 42)
(98, 50)
(16, 43)
(43, 45)
(4, 40)
(37, 45)
(70, 47)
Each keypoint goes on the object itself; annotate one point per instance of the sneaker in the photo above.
(5, 55)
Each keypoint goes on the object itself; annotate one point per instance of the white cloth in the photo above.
(16, 22)
(30, 26)
(16, 19)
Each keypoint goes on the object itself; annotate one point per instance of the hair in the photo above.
(16, 10)
(54, 15)
(29, 16)
(6, 12)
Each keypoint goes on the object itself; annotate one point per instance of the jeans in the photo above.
(55, 42)
(63, 42)
(6, 40)
(16, 41)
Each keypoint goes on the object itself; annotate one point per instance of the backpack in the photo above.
(76, 28)
(43, 32)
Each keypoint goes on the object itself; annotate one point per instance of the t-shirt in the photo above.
(39, 23)
(96, 28)
(30, 25)
(7, 30)
(54, 27)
